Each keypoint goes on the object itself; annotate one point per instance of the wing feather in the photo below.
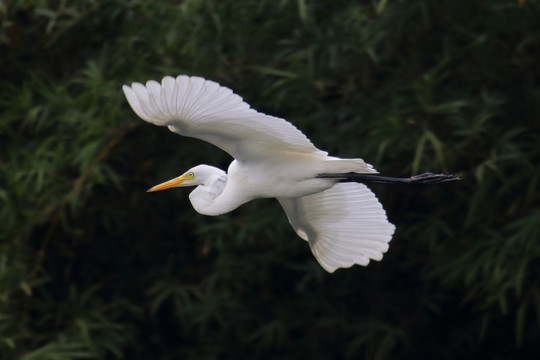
(135, 103)
(195, 107)
(344, 225)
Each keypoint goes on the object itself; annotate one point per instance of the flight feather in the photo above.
(344, 225)
(199, 108)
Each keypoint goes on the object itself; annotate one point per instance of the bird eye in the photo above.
(191, 174)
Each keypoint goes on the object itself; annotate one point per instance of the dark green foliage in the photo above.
(92, 267)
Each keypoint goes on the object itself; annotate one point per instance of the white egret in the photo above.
(343, 222)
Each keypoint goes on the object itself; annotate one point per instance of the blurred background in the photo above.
(93, 267)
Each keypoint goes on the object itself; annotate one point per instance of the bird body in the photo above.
(344, 223)
(245, 181)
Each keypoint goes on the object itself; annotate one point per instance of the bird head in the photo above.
(197, 175)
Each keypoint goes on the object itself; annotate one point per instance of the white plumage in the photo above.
(344, 225)
(343, 222)
(195, 107)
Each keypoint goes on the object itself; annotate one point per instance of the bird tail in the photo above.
(344, 225)
(339, 165)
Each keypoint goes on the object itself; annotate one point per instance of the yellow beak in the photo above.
(169, 184)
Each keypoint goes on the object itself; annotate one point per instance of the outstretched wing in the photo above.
(199, 108)
(344, 225)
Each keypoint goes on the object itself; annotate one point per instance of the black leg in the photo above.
(421, 179)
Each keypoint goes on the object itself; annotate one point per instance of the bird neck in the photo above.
(215, 197)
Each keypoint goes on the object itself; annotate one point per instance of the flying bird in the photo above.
(324, 197)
